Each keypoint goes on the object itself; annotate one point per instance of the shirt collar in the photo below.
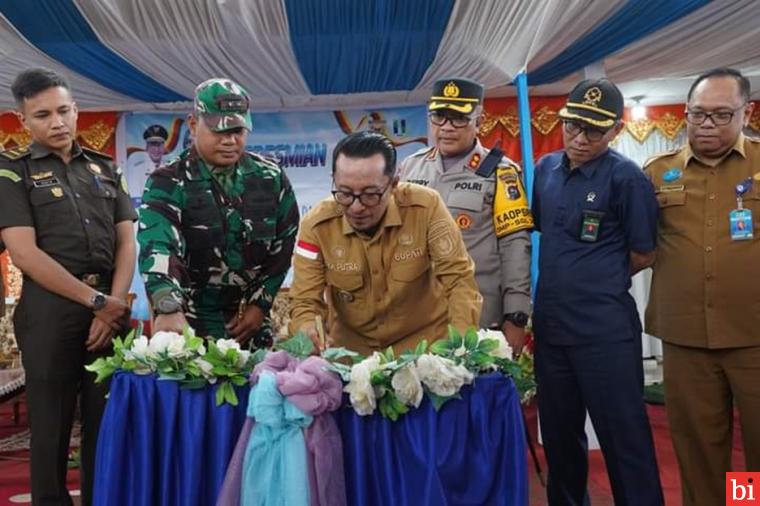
(39, 150)
(392, 217)
(738, 147)
(587, 169)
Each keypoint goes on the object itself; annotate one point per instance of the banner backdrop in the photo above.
(302, 142)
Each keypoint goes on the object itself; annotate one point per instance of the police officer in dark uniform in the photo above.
(597, 215)
(66, 219)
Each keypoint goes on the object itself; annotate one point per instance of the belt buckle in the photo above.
(91, 279)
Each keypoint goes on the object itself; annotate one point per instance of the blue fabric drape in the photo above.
(349, 46)
(472, 452)
(633, 21)
(170, 446)
(57, 28)
(275, 469)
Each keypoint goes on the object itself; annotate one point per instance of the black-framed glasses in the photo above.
(456, 120)
(592, 134)
(719, 118)
(367, 199)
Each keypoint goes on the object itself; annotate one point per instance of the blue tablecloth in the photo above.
(471, 452)
(162, 446)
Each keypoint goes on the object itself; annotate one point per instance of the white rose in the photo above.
(139, 349)
(504, 350)
(406, 384)
(242, 358)
(160, 342)
(227, 344)
(176, 347)
(206, 369)
(442, 376)
(359, 387)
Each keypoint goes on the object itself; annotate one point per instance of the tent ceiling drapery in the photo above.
(150, 54)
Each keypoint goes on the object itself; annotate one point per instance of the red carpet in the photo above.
(14, 466)
(599, 485)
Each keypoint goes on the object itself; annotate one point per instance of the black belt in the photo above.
(95, 279)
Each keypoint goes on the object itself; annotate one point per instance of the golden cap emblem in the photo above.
(592, 96)
(451, 90)
(95, 168)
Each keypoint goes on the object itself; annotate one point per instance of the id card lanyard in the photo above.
(740, 219)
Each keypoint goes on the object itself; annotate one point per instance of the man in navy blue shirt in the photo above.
(597, 215)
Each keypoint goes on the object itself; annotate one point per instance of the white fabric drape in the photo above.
(181, 44)
(16, 54)
(492, 41)
(640, 152)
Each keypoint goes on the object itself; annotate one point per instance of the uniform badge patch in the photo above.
(405, 239)
(756, 177)
(474, 161)
(671, 175)
(591, 197)
(42, 175)
(57, 192)
(339, 251)
(464, 221)
(307, 250)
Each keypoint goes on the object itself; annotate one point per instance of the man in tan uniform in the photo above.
(705, 298)
(390, 255)
(483, 190)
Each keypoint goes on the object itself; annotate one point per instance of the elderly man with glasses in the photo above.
(597, 215)
(705, 299)
(484, 192)
(383, 262)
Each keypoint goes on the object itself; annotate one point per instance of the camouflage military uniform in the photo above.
(502, 261)
(212, 239)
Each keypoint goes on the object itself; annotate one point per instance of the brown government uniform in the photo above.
(406, 283)
(705, 305)
(502, 257)
(74, 209)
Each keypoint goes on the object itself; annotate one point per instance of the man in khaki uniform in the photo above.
(484, 192)
(705, 296)
(390, 255)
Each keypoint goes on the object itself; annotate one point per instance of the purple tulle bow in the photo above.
(315, 391)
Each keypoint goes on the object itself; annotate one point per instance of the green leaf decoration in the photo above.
(421, 347)
(377, 378)
(335, 354)
(440, 347)
(453, 332)
(300, 345)
(438, 401)
(220, 394)
(194, 384)
(471, 339)
(238, 380)
(488, 345)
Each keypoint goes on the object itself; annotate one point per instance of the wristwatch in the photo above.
(168, 305)
(518, 318)
(98, 301)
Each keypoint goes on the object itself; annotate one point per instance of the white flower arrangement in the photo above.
(393, 384)
(192, 361)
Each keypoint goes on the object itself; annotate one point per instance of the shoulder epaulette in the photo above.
(15, 153)
(270, 160)
(661, 155)
(97, 153)
(325, 210)
(411, 194)
(424, 151)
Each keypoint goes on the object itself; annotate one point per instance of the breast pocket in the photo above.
(348, 296)
(104, 191)
(465, 200)
(51, 206)
(752, 202)
(672, 211)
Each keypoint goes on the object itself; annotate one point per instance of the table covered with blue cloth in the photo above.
(160, 445)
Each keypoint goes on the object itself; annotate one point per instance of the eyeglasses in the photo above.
(367, 199)
(456, 120)
(575, 129)
(719, 118)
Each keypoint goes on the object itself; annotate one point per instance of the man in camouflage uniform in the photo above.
(217, 226)
(484, 192)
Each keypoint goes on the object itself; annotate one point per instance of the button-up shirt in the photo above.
(406, 283)
(705, 290)
(73, 207)
(591, 219)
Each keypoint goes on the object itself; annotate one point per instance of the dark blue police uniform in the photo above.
(587, 329)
